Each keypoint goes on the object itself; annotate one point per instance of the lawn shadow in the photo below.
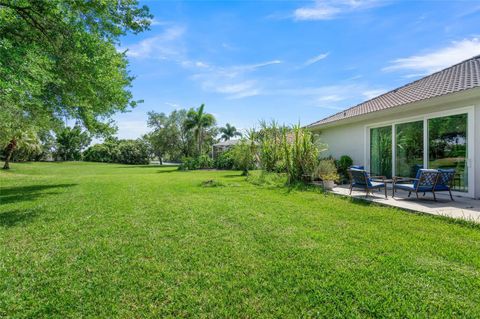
(233, 175)
(168, 171)
(27, 193)
(16, 217)
(146, 166)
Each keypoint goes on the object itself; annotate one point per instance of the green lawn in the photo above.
(104, 240)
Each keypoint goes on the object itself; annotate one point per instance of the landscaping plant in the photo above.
(301, 150)
(245, 154)
(343, 164)
(326, 170)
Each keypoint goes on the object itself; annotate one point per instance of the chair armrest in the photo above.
(378, 177)
(399, 179)
(404, 179)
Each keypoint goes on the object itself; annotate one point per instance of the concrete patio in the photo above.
(461, 207)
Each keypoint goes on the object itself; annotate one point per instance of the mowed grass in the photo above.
(81, 240)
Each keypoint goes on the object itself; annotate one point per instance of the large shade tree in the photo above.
(59, 60)
(199, 122)
(228, 132)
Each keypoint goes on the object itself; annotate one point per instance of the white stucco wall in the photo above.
(477, 151)
(345, 140)
(350, 138)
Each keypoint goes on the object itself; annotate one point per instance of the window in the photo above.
(447, 147)
(381, 151)
(408, 148)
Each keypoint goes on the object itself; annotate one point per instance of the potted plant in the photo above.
(327, 172)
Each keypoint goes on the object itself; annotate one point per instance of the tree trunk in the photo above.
(200, 142)
(9, 151)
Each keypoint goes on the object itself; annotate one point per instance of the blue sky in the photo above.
(293, 61)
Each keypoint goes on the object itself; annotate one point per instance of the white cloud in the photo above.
(235, 81)
(131, 129)
(330, 9)
(336, 96)
(428, 63)
(331, 98)
(317, 58)
(166, 45)
(155, 22)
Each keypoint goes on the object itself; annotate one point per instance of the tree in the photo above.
(165, 137)
(199, 122)
(26, 140)
(245, 153)
(71, 142)
(59, 59)
(229, 132)
(170, 137)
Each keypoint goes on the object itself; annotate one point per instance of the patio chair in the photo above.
(360, 179)
(361, 167)
(445, 181)
(425, 181)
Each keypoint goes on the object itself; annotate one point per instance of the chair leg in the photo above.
(416, 193)
(423, 193)
(434, 197)
(409, 193)
(451, 197)
(386, 192)
(351, 187)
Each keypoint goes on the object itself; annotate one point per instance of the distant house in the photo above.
(221, 147)
(433, 122)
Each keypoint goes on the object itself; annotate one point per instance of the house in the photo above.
(433, 122)
(221, 147)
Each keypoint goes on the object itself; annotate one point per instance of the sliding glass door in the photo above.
(381, 151)
(448, 147)
(408, 148)
(439, 142)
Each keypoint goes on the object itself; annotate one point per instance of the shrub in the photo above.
(119, 151)
(133, 152)
(225, 160)
(192, 163)
(343, 164)
(270, 136)
(244, 154)
(101, 153)
(326, 170)
(301, 149)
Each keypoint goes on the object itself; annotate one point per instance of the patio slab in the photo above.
(460, 208)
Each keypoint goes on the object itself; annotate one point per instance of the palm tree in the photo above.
(20, 139)
(229, 131)
(198, 121)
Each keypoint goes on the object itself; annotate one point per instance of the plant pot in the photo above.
(328, 185)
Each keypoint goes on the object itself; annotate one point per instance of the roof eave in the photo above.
(447, 98)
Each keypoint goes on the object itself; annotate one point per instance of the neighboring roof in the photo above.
(227, 143)
(459, 77)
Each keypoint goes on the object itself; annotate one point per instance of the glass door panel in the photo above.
(447, 147)
(381, 151)
(408, 148)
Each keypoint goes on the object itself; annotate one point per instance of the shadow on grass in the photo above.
(16, 217)
(168, 171)
(148, 166)
(233, 175)
(26, 193)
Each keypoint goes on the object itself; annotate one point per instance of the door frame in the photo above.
(470, 158)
